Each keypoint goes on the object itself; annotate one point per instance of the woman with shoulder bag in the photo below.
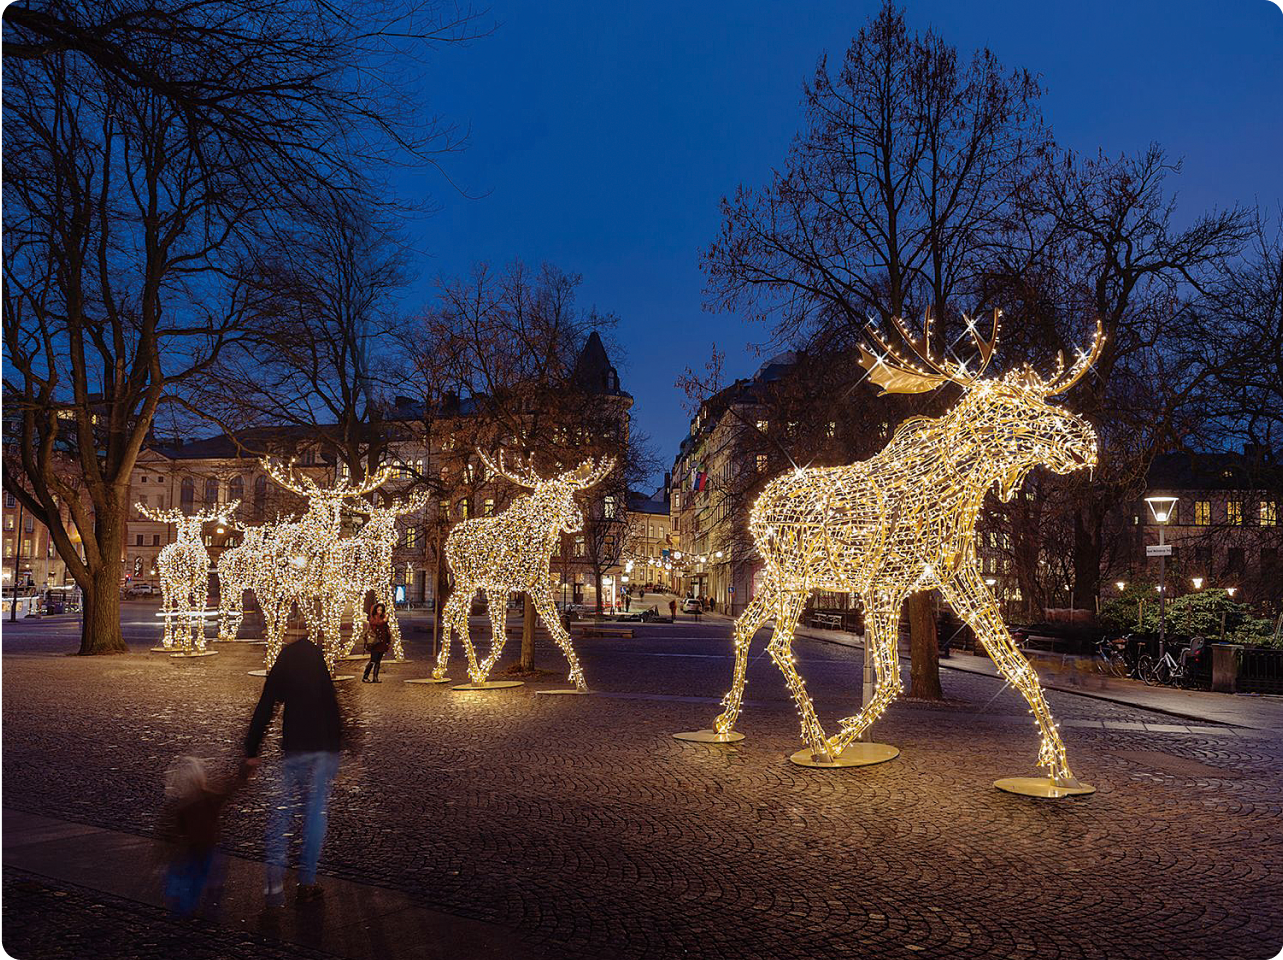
(378, 640)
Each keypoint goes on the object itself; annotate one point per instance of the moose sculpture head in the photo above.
(553, 497)
(190, 525)
(1007, 422)
(904, 521)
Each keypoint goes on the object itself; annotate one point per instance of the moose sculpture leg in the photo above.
(547, 612)
(967, 594)
(448, 614)
(788, 609)
(882, 640)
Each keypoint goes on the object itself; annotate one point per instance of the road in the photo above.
(576, 827)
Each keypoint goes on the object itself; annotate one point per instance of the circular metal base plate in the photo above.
(338, 677)
(568, 693)
(431, 680)
(856, 755)
(1042, 787)
(710, 736)
(258, 673)
(163, 649)
(490, 685)
(188, 656)
(248, 640)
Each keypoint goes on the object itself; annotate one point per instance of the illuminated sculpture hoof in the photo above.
(431, 680)
(856, 755)
(1043, 787)
(489, 685)
(570, 692)
(193, 653)
(710, 736)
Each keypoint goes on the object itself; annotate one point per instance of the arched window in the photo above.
(260, 497)
(236, 489)
(187, 496)
(211, 491)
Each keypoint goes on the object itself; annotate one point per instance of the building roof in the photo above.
(1184, 470)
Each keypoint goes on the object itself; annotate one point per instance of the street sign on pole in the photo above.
(1158, 550)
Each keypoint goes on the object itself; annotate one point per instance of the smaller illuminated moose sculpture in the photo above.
(512, 552)
(184, 574)
(236, 570)
(904, 521)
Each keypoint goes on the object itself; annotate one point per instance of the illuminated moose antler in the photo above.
(904, 521)
(512, 552)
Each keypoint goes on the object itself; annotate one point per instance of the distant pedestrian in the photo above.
(672, 608)
(712, 604)
(378, 639)
(628, 602)
(311, 733)
(193, 811)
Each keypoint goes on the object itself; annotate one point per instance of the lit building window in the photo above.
(832, 430)
(1202, 513)
(761, 463)
(489, 507)
(608, 508)
(763, 424)
(1234, 513)
(1269, 513)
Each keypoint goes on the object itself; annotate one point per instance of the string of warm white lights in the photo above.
(904, 521)
(184, 575)
(512, 552)
(236, 569)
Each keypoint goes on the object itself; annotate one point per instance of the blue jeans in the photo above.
(305, 782)
(186, 880)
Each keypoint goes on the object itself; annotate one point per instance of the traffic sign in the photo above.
(1158, 550)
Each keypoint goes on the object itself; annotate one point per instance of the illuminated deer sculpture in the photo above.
(905, 521)
(512, 552)
(184, 574)
(364, 562)
(292, 562)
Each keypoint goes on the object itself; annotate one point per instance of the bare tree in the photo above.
(150, 149)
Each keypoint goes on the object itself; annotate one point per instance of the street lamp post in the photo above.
(1162, 508)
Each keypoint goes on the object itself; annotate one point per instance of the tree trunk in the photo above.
(101, 632)
(1087, 550)
(924, 663)
(527, 634)
(596, 574)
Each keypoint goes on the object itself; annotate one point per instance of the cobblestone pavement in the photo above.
(582, 824)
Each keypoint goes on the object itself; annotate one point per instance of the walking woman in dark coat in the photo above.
(377, 642)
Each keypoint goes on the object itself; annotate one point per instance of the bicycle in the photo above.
(1112, 657)
(1165, 670)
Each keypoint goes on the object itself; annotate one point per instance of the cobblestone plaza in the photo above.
(576, 827)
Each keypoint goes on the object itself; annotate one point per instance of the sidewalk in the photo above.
(355, 920)
(1239, 710)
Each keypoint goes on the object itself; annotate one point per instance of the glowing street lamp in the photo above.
(1231, 591)
(1121, 585)
(1162, 508)
(1198, 582)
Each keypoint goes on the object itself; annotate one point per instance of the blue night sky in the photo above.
(604, 134)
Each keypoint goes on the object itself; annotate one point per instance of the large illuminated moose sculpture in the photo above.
(184, 574)
(512, 552)
(364, 562)
(905, 521)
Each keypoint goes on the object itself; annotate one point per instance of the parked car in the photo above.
(142, 590)
(692, 605)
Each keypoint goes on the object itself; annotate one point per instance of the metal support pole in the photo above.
(1162, 595)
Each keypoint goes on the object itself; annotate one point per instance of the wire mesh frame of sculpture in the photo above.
(512, 552)
(236, 567)
(904, 521)
(364, 563)
(295, 558)
(184, 574)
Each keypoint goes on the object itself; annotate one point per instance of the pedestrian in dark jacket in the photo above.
(378, 640)
(311, 734)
